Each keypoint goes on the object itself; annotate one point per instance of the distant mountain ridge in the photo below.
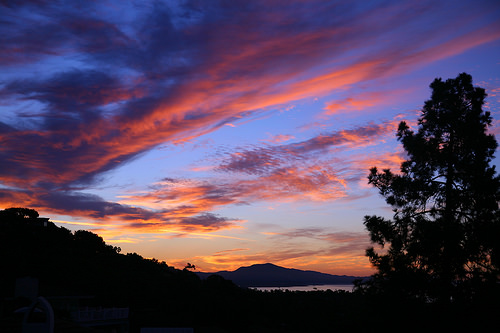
(270, 275)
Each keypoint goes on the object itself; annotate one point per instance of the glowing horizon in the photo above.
(220, 134)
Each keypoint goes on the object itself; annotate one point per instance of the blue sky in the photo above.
(225, 133)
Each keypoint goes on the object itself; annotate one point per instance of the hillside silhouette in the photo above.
(80, 265)
(80, 262)
(270, 275)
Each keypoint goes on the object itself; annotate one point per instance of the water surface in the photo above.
(333, 287)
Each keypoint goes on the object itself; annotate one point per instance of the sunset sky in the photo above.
(225, 133)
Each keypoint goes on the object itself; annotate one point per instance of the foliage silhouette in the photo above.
(80, 263)
(442, 244)
(18, 213)
(190, 266)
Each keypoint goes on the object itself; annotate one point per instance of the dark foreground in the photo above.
(92, 287)
(217, 306)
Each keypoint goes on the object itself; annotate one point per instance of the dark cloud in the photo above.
(266, 159)
(109, 81)
(257, 160)
(5, 128)
(334, 243)
(94, 36)
(92, 205)
(67, 90)
(206, 221)
(37, 30)
(29, 43)
(75, 203)
(183, 218)
(321, 233)
(22, 3)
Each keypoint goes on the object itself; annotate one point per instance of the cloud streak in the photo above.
(342, 251)
(286, 172)
(88, 89)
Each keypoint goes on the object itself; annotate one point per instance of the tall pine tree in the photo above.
(442, 244)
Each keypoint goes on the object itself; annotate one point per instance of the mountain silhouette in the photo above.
(270, 275)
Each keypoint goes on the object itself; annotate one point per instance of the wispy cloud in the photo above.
(87, 89)
(267, 173)
(280, 138)
(265, 159)
(342, 250)
(364, 101)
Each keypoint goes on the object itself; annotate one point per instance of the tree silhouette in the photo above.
(18, 213)
(190, 266)
(89, 243)
(442, 243)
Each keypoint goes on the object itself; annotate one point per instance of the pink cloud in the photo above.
(266, 173)
(364, 101)
(116, 139)
(169, 85)
(280, 138)
(337, 253)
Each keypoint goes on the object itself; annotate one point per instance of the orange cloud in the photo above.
(195, 109)
(363, 101)
(280, 178)
(164, 79)
(280, 138)
(133, 95)
(181, 205)
(341, 261)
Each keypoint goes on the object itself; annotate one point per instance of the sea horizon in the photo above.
(312, 287)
